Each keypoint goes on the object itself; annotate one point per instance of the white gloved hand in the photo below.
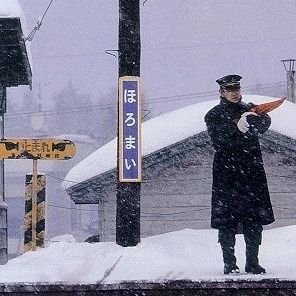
(243, 124)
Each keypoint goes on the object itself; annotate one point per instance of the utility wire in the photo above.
(172, 48)
(148, 216)
(147, 181)
(176, 213)
(112, 105)
(143, 213)
(189, 219)
(157, 215)
(188, 96)
(38, 25)
(66, 208)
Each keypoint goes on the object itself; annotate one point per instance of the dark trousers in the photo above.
(253, 236)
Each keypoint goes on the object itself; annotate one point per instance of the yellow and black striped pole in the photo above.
(34, 210)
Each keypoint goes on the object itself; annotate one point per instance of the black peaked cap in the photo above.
(229, 80)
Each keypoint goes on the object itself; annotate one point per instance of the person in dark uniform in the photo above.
(240, 196)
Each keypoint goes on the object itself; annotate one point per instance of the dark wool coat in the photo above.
(239, 192)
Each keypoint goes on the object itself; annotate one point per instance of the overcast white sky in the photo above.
(186, 45)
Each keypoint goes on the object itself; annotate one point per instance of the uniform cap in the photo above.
(229, 82)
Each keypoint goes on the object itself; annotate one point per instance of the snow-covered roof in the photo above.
(10, 8)
(77, 138)
(171, 128)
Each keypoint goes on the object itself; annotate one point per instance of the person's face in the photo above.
(232, 96)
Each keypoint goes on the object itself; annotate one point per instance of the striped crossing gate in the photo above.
(40, 215)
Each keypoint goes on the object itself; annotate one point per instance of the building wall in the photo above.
(178, 195)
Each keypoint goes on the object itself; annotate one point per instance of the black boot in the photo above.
(252, 262)
(253, 237)
(227, 242)
(255, 269)
(229, 259)
(231, 269)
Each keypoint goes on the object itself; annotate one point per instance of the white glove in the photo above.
(243, 124)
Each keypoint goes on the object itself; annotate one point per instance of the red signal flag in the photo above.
(267, 107)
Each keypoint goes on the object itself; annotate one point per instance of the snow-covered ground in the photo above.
(183, 255)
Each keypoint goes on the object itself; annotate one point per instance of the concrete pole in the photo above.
(3, 205)
(289, 67)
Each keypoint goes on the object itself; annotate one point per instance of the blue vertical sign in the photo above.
(130, 163)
